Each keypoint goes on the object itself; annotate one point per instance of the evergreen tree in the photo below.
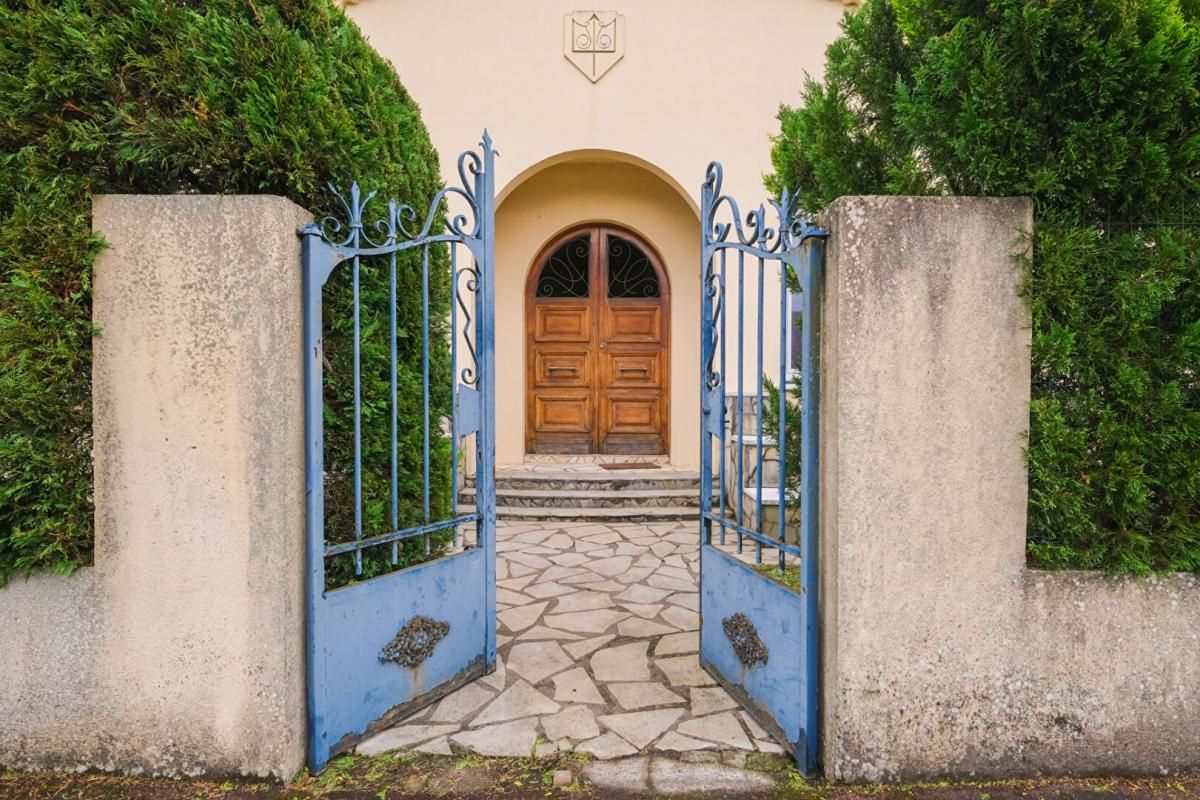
(146, 96)
(1092, 108)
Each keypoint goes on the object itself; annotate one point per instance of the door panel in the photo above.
(564, 412)
(642, 324)
(633, 370)
(597, 315)
(634, 321)
(562, 368)
(632, 411)
(562, 322)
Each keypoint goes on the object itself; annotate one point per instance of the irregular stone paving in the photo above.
(597, 650)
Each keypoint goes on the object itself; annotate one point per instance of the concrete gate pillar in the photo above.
(943, 655)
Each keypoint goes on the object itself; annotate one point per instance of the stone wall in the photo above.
(182, 649)
(943, 655)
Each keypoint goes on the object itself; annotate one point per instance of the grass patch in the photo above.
(789, 577)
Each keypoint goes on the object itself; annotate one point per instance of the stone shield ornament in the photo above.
(594, 41)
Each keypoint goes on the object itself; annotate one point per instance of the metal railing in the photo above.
(792, 246)
(355, 242)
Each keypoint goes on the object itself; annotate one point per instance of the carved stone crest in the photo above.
(414, 643)
(594, 41)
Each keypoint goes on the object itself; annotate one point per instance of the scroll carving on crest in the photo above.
(594, 41)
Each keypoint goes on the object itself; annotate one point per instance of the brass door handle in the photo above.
(554, 368)
(634, 369)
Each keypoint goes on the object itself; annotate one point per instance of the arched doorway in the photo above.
(597, 320)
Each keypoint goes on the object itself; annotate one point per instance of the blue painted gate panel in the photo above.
(773, 691)
(354, 625)
(758, 637)
(383, 647)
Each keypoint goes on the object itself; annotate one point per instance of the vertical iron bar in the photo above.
(706, 322)
(485, 471)
(758, 416)
(315, 257)
(741, 418)
(721, 398)
(454, 389)
(358, 521)
(425, 381)
(394, 402)
(809, 454)
(781, 444)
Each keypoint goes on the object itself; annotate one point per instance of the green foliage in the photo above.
(146, 96)
(1114, 455)
(1092, 107)
(377, 409)
(791, 441)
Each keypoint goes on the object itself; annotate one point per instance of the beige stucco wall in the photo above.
(182, 650)
(943, 655)
(700, 80)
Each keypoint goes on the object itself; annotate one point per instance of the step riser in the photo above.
(591, 515)
(591, 494)
(574, 485)
(546, 459)
(550, 501)
(614, 515)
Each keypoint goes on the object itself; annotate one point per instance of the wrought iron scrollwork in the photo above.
(744, 639)
(630, 273)
(714, 293)
(790, 228)
(723, 227)
(565, 273)
(415, 642)
(463, 289)
(351, 231)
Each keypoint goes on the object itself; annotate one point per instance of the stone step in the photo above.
(606, 480)
(550, 459)
(591, 498)
(643, 514)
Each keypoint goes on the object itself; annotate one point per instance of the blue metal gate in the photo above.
(758, 633)
(380, 647)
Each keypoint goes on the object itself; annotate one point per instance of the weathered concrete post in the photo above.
(942, 654)
(182, 649)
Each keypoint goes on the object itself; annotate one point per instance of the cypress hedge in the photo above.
(149, 96)
(1092, 107)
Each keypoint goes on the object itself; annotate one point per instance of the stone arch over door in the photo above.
(598, 344)
(591, 188)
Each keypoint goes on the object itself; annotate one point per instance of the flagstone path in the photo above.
(597, 652)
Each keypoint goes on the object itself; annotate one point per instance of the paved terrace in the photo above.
(598, 639)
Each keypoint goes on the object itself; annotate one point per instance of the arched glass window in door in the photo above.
(565, 273)
(630, 273)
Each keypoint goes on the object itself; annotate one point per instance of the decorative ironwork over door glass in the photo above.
(758, 539)
(630, 273)
(566, 272)
(401, 581)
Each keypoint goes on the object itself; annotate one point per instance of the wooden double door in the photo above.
(597, 320)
